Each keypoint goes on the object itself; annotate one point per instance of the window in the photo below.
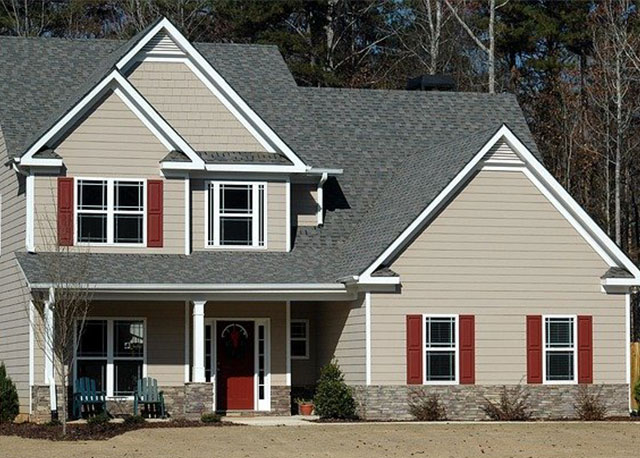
(441, 349)
(559, 348)
(116, 367)
(236, 215)
(110, 211)
(299, 339)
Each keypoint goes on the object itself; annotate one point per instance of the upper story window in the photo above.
(110, 211)
(560, 349)
(236, 214)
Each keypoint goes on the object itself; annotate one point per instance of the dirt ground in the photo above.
(537, 440)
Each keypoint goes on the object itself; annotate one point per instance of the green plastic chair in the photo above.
(86, 394)
(147, 395)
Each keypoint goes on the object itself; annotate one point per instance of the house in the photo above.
(238, 232)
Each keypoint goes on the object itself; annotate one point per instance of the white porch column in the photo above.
(49, 370)
(288, 343)
(198, 341)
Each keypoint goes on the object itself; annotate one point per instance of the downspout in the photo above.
(323, 178)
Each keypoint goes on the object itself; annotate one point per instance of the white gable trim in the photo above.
(596, 238)
(215, 80)
(132, 98)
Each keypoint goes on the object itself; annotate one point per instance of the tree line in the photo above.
(574, 65)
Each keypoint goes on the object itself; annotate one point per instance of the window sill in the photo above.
(235, 248)
(300, 358)
(452, 382)
(559, 382)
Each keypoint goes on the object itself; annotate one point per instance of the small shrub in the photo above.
(53, 423)
(512, 406)
(210, 418)
(333, 397)
(590, 404)
(134, 420)
(98, 420)
(9, 405)
(427, 407)
(636, 391)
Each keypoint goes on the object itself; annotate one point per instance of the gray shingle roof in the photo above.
(397, 150)
(239, 157)
(617, 272)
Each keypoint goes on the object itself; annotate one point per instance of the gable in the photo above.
(191, 108)
(110, 140)
(501, 230)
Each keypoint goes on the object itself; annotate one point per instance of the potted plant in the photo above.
(305, 406)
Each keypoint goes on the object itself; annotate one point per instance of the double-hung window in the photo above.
(560, 362)
(299, 339)
(441, 349)
(236, 214)
(111, 351)
(110, 211)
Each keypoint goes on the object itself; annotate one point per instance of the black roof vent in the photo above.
(440, 82)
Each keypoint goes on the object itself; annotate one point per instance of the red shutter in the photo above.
(534, 349)
(65, 211)
(467, 349)
(414, 349)
(154, 213)
(585, 349)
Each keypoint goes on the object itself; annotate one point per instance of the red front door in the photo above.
(235, 365)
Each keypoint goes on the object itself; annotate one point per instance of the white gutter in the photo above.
(621, 282)
(196, 287)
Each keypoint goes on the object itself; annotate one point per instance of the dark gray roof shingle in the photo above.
(239, 157)
(386, 142)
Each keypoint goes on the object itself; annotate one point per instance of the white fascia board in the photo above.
(601, 243)
(435, 204)
(254, 168)
(175, 165)
(132, 98)
(621, 282)
(195, 287)
(216, 79)
(368, 280)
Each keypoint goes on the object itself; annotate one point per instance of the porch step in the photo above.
(240, 413)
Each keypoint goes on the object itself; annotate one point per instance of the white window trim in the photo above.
(306, 338)
(110, 211)
(216, 215)
(456, 381)
(574, 350)
(110, 358)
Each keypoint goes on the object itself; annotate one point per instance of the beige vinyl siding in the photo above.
(341, 336)
(14, 298)
(276, 312)
(304, 203)
(305, 371)
(276, 216)
(111, 142)
(191, 108)
(499, 251)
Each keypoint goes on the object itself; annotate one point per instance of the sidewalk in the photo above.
(294, 420)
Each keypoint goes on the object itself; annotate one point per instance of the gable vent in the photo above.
(162, 44)
(501, 153)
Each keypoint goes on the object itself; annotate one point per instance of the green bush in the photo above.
(134, 420)
(636, 391)
(333, 397)
(9, 405)
(210, 418)
(98, 420)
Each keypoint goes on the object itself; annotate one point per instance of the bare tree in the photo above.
(489, 50)
(28, 17)
(60, 311)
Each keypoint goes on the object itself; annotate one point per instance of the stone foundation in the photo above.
(190, 400)
(466, 402)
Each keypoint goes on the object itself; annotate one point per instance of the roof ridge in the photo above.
(395, 91)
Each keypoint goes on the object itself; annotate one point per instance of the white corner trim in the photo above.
(217, 80)
(288, 214)
(627, 340)
(323, 179)
(29, 236)
(367, 338)
(187, 216)
(288, 342)
(32, 377)
(599, 241)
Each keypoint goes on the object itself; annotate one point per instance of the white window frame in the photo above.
(456, 349)
(110, 211)
(298, 339)
(573, 349)
(110, 373)
(255, 229)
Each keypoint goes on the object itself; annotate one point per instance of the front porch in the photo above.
(231, 357)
